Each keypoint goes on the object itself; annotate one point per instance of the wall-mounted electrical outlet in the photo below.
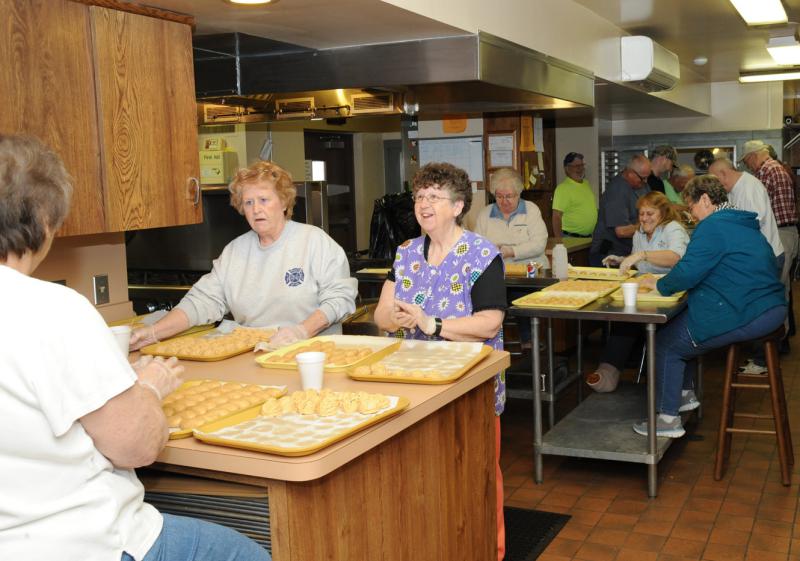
(100, 283)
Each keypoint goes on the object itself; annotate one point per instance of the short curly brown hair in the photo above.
(442, 175)
(35, 194)
(705, 185)
(264, 172)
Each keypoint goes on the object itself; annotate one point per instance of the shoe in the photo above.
(672, 429)
(689, 402)
(753, 369)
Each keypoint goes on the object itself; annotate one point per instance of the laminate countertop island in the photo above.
(418, 485)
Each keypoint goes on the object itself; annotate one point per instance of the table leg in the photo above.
(580, 363)
(551, 386)
(652, 481)
(699, 387)
(537, 403)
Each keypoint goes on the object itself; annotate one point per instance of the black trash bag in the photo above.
(393, 222)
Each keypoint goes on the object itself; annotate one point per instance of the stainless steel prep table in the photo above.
(561, 439)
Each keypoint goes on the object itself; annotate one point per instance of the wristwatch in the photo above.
(438, 331)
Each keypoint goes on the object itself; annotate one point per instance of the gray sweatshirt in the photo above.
(279, 285)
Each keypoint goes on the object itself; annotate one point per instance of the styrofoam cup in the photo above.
(312, 366)
(629, 292)
(122, 333)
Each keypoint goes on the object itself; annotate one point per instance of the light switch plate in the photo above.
(100, 284)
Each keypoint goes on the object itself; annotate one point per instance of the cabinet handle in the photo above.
(194, 185)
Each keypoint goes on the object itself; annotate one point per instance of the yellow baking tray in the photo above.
(559, 300)
(378, 270)
(138, 321)
(652, 296)
(176, 433)
(599, 273)
(300, 435)
(162, 348)
(424, 362)
(599, 287)
(381, 346)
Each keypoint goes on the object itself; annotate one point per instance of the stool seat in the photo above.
(773, 381)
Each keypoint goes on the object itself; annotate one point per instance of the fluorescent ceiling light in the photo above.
(784, 50)
(760, 12)
(770, 75)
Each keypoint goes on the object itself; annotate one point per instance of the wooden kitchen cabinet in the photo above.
(113, 93)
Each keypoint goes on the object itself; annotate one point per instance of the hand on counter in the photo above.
(630, 261)
(288, 335)
(159, 375)
(142, 337)
(612, 260)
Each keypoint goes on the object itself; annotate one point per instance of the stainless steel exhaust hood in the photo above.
(244, 78)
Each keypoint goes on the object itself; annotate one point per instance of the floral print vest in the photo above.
(445, 290)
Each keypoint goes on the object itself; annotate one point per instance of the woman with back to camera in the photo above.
(448, 283)
(82, 417)
(281, 273)
(658, 244)
(733, 294)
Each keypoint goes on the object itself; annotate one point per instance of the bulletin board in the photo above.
(465, 152)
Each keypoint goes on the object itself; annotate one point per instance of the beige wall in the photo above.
(734, 107)
(369, 181)
(77, 259)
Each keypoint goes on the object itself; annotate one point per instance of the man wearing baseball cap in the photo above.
(574, 208)
(662, 160)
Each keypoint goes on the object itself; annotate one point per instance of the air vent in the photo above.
(363, 103)
(221, 113)
(294, 108)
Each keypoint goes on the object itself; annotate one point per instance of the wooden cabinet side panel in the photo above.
(47, 90)
(428, 493)
(147, 119)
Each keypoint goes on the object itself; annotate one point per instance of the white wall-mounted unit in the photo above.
(648, 64)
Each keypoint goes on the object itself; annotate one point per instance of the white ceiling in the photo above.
(690, 28)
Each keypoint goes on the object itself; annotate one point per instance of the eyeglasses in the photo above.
(506, 197)
(576, 165)
(431, 199)
(642, 179)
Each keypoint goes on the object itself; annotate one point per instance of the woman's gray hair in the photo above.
(505, 177)
(705, 185)
(35, 194)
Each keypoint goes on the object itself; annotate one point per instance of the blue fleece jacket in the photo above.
(730, 272)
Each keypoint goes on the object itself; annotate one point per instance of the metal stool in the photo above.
(774, 383)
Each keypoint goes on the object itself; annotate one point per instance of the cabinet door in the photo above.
(147, 119)
(47, 90)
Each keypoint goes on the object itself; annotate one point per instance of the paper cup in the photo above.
(122, 333)
(629, 292)
(311, 367)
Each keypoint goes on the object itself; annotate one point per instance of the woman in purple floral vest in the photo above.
(448, 283)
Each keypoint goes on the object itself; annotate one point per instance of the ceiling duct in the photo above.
(463, 74)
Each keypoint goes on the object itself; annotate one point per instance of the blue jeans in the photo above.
(675, 348)
(190, 539)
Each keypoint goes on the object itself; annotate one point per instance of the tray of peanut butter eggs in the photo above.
(301, 423)
(210, 345)
(423, 362)
(199, 402)
(341, 351)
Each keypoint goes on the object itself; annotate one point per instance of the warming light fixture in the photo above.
(771, 75)
(760, 12)
(784, 50)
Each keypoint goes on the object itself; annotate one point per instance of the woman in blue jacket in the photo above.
(734, 294)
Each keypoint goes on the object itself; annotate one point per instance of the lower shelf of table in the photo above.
(601, 427)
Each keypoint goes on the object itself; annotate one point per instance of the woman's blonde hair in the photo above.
(264, 172)
(660, 202)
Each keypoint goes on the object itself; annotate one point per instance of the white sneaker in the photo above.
(670, 429)
(689, 402)
(753, 369)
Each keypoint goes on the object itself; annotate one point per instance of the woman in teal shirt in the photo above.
(734, 294)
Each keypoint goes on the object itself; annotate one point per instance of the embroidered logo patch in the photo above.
(294, 277)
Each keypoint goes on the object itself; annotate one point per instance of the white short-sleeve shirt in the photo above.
(672, 236)
(60, 498)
